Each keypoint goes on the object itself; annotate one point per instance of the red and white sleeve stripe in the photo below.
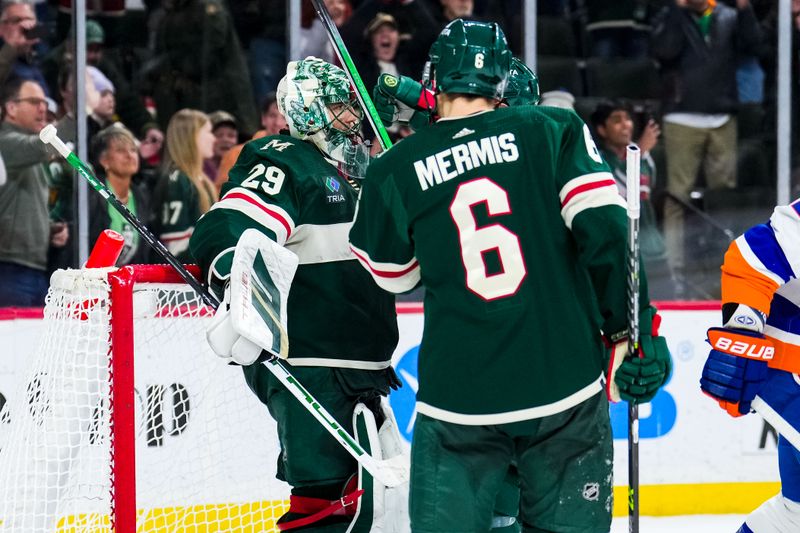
(586, 192)
(177, 242)
(268, 215)
(391, 277)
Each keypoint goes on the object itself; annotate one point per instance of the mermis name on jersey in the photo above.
(448, 164)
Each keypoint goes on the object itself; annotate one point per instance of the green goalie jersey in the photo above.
(515, 226)
(288, 190)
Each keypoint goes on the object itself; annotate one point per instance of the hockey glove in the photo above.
(389, 90)
(736, 367)
(226, 341)
(638, 379)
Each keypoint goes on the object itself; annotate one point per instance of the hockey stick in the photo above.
(344, 57)
(632, 184)
(390, 472)
(775, 420)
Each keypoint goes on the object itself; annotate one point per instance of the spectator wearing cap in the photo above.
(67, 91)
(226, 135)
(384, 37)
(129, 105)
(17, 54)
(104, 112)
(110, 13)
(393, 38)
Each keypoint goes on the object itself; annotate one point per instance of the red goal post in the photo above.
(126, 421)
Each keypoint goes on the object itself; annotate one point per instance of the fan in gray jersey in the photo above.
(513, 223)
(342, 327)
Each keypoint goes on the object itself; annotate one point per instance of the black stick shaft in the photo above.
(633, 177)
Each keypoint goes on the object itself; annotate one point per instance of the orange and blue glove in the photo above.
(736, 367)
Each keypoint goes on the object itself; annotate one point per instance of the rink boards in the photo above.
(694, 458)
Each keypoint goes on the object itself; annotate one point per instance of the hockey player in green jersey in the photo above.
(522, 88)
(342, 327)
(514, 225)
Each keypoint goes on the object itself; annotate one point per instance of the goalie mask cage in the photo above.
(126, 421)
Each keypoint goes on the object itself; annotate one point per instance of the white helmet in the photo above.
(304, 95)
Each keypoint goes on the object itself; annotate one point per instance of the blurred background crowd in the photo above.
(174, 87)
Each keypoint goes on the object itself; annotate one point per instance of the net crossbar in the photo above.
(124, 420)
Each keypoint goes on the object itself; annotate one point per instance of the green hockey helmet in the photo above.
(523, 85)
(470, 58)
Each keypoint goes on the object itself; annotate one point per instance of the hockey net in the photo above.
(126, 421)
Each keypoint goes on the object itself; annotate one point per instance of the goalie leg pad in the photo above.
(395, 498)
(386, 511)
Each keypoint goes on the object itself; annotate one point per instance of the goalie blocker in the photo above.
(252, 315)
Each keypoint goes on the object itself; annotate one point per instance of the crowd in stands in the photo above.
(174, 87)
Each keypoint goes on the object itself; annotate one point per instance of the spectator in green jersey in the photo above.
(184, 192)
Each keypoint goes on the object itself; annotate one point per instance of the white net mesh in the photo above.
(205, 448)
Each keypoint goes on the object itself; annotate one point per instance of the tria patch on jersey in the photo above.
(333, 186)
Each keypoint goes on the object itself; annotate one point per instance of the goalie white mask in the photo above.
(315, 99)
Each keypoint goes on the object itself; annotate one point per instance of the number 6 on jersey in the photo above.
(475, 242)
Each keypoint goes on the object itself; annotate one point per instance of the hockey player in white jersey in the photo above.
(757, 349)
